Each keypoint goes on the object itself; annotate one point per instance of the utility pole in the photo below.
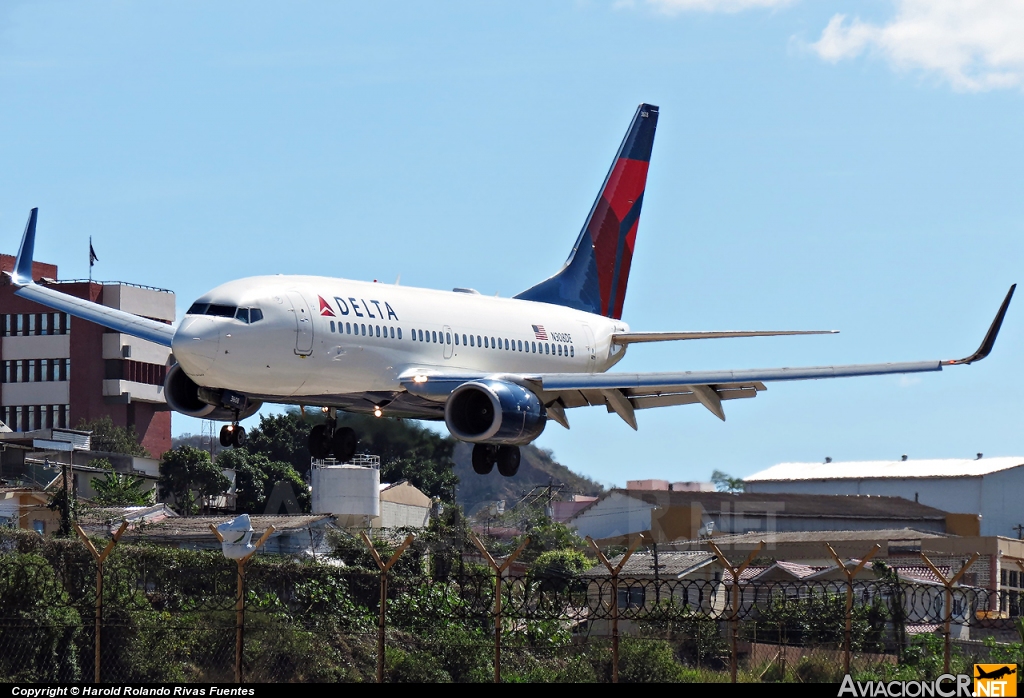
(1020, 531)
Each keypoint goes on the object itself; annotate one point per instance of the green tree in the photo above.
(559, 570)
(407, 451)
(727, 483)
(545, 534)
(116, 489)
(108, 437)
(433, 478)
(188, 475)
(256, 476)
(284, 437)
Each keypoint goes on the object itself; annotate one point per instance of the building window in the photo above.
(631, 597)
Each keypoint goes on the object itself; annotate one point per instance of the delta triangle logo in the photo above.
(325, 308)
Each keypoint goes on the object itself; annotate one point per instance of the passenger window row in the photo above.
(364, 330)
(435, 337)
(529, 347)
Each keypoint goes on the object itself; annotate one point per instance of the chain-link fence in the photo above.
(171, 615)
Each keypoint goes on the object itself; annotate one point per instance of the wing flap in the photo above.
(641, 382)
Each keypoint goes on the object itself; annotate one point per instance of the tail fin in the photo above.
(594, 277)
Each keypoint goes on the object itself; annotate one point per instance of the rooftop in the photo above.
(892, 535)
(859, 470)
(850, 506)
(182, 528)
(670, 564)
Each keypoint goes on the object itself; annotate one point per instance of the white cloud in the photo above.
(677, 6)
(974, 44)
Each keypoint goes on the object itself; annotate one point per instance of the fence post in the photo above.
(498, 571)
(847, 648)
(614, 572)
(734, 616)
(100, 559)
(948, 583)
(384, 567)
(240, 597)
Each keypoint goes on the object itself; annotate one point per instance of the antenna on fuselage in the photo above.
(398, 279)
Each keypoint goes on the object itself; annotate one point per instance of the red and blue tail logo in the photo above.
(594, 277)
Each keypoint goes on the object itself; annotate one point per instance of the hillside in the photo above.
(536, 468)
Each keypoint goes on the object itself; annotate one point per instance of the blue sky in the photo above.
(847, 165)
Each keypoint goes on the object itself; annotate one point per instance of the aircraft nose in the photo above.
(196, 344)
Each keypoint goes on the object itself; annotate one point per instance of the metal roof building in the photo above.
(666, 516)
(989, 487)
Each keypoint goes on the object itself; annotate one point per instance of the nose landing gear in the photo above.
(485, 456)
(232, 435)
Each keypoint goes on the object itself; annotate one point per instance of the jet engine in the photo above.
(494, 412)
(185, 396)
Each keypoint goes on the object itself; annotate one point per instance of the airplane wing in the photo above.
(113, 318)
(624, 393)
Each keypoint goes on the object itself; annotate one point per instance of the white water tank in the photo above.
(346, 490)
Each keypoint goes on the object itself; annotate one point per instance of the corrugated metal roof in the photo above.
(670, 564)
(788, 505)
(859, 470)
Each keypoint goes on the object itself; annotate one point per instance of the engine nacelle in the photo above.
(184, 395)
(494, 412)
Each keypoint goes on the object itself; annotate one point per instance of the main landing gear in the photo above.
(232, 435)
(327, 439)
(485, 456)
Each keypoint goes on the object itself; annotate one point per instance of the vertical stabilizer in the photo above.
(594, 277)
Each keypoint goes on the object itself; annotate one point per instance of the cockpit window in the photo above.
(197, 309)
(249, 315)
(221, 310)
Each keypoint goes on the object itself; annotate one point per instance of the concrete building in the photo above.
(35, 458)
(665, 516)
(998, 569)
(57, 371)
(26, 508)
(985, 487)
(402, 506)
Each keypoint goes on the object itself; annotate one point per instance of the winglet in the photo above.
(990, 337)
(22, 275)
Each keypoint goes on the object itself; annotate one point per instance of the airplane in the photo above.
(995, 673)
(496, 370)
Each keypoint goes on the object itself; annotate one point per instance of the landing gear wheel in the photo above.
(225, 435)
(508, 460)
(344, 444)
(483, 458)
(319, 442)
(238, 436)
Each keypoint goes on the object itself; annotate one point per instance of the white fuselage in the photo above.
(324, 336)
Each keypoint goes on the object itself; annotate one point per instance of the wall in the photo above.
(615, 515)
(958, 495)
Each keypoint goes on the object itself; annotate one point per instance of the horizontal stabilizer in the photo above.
(637, 337)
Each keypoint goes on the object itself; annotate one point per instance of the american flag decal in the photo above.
(541, 335)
